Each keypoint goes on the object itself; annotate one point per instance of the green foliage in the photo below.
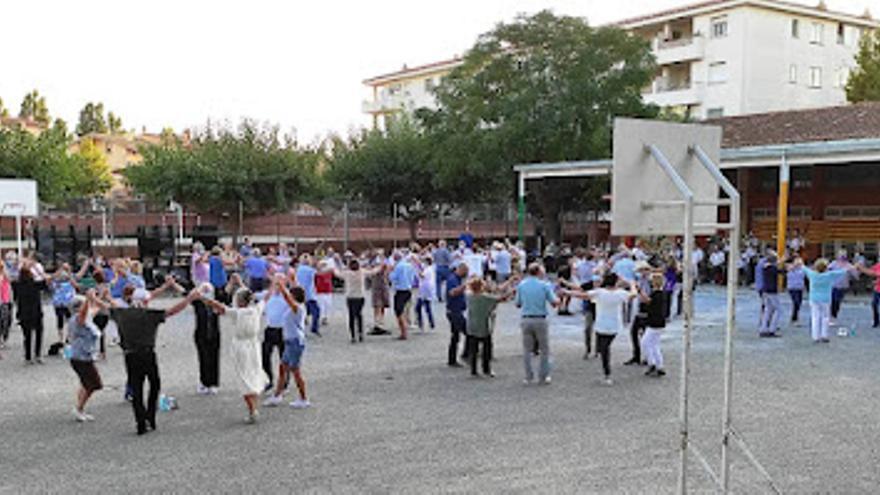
(33, 106)
(543, 88)
(93, 171)
(45, 158)
(91, 119)
(114, 123)
(221, 167)
(3, 111)
(864, 83)
(385, 168)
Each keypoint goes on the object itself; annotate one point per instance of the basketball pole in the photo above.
(18, 231)
(687, 299)
(782, 223)
(521, 207)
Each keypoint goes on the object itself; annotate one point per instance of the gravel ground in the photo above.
(390, 417)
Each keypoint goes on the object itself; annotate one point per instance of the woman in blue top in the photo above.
(821, 283)
(83, 336)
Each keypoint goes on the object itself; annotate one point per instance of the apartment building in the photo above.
(715, 58)
(405, 90)
(736, 57)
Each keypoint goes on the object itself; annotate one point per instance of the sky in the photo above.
(296, 63)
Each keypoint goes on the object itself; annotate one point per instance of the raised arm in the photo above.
(288, 298)
(182, 304)
(218, 307)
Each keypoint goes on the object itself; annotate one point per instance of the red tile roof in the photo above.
(860, 121)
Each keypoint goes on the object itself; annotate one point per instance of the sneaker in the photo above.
(252, 418)
(660, 372)
(631, 362)
(455, 365)
(202, 390)
(268, 388)
(546, 381)
(273, 401)
(527, 381)
(39, 361)
(650, 371)
(213, 390)
(79, 416)
(300, 404)
(607, 381)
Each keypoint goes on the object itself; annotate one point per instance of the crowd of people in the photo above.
(268, 300)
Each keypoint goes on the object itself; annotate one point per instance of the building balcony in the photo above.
(680, 50)
(673, 93)
(382, 105)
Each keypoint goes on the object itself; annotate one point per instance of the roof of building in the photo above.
(410, 71)
(710, 5)
(22, 121)
(859, 121)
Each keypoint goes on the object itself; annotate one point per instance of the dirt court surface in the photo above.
(391, 417)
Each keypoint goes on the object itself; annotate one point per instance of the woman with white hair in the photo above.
(207, 339)
(245, 325)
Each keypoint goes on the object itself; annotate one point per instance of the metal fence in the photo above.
(116, 222)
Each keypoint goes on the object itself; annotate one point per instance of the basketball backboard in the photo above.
(638, 179)
(19, 197)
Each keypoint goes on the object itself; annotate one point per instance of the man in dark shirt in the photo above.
(207, 338)
(138, 327)
(456, 305)
(770, 296)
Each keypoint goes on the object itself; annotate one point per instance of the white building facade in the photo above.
(716, 58)
(736, 57)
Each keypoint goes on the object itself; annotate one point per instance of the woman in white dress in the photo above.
(244, 319)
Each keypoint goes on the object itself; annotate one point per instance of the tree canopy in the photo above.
(222, 166)
(391, 167)
(33, 106)
(45, 158)
(864, 83)
(543, 88)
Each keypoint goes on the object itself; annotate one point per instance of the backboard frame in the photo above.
(18, 197)
(638, 184)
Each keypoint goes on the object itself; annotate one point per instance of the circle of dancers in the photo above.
(274, 301)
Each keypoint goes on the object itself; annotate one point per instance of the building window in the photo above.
(715, 113)
(795, 28)
(792, 74)
(818, 33)
(861, 175)
(802, 177)
(719, 27)
(815, 77)
(718, 72)
(841, 34)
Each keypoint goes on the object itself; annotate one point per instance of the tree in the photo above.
(3, 111)
(92, 175)
(221, 167)
(114, 123)
(33, 106)
(543, 88)
(91, 120)
(391, 168)
(45, 158)
(864, 84)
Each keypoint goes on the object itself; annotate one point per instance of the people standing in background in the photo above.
(305, 278)
(716, 260)
(28, 300)
(324, 289)
(841, 284)
(354, 283)
(426, 279)
(5, 305)
(200, 268)
(795, 282)
(379, 293)
(217, 274)
(874, 272)
(63, 289)
(640, 322)
(771, 307)
(503, 264)
(402, 277)
(246, 248)
(256, 269)
(442, 261)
